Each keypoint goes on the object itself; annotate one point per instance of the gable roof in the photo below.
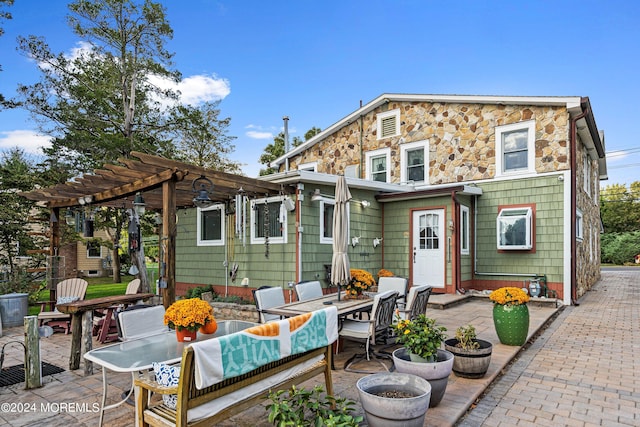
(575, 104)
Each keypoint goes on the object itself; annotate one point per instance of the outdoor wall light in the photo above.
(365, 203)
(138, 204)
(85, 200)
(355, 241)
(377, 241)
(316, 196)
(203, 187)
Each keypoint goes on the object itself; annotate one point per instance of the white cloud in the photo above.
(28, 140)
(196, 89)
(259, 135)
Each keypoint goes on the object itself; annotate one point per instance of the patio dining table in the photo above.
(345, 306)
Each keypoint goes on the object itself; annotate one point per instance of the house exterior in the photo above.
(458, 192)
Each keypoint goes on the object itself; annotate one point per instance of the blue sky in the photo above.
(315, 61)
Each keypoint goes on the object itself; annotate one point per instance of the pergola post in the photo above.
(168, 241)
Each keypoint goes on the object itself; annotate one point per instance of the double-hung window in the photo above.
(210, 228)
(514, 228)
(579, 225)
(464, 230)
(414, 162)
(268, 221)
(378, 163)
(94, 250)
(515, 148)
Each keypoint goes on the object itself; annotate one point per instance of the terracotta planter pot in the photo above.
(186, 335)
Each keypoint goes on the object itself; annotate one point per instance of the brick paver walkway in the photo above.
(581, 371)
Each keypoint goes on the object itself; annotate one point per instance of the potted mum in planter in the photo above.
(421, 354)
(186, 316)
(511, 315)
(361, 281)
(472, 356)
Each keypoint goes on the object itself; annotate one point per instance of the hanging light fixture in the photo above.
(202, 187)
(69, 217)
(138, 204)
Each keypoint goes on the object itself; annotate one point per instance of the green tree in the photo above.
(620, 207)
(276, 149)
(110, 99)
(202, 139)
(16, 175)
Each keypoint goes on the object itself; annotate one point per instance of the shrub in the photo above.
(300, 407)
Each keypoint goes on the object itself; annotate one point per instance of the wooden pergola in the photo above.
(165, 188)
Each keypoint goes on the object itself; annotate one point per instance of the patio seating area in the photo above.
(69, 398)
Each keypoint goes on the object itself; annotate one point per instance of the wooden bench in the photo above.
(233, 394)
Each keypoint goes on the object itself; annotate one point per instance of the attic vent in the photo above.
(388, 126)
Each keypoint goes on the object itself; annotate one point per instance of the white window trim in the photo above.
(378, 153)
(464, 234)
(310, 166)
(404, 148)
(530, 126)
(199, 240)
(381, 116)
(586, 166)
(94, 257)
(579, 225)
(281, 212)
(528, 233)
(323, 203)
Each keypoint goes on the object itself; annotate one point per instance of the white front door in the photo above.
(428, 248)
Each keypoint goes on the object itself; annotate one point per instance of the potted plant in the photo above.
(301, 407)
(361, 281)
(511, 315)
(471, 356)
(421, 354)
(186, 316)
(394, 399)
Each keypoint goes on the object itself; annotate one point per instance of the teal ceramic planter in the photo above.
(511, 323)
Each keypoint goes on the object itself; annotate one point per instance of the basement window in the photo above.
(514, 229)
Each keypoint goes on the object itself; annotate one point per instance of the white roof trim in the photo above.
(308, 177)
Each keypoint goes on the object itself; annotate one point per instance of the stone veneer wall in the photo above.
(232, 311)
(461, 139)
(587, 250)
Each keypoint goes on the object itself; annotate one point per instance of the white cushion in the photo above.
(168, 376)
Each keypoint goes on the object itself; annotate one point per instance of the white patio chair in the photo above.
(267, 298)
(398, 284)
(136, 322)
(309, 290)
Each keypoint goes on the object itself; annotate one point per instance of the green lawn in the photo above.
(98, 287)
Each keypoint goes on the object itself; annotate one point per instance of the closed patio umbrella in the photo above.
(340, 274)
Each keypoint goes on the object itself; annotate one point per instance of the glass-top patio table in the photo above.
(140, 354)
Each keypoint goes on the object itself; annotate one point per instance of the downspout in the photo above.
(572, 154)
(361, 147)
(298, 234)
(456, 268)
